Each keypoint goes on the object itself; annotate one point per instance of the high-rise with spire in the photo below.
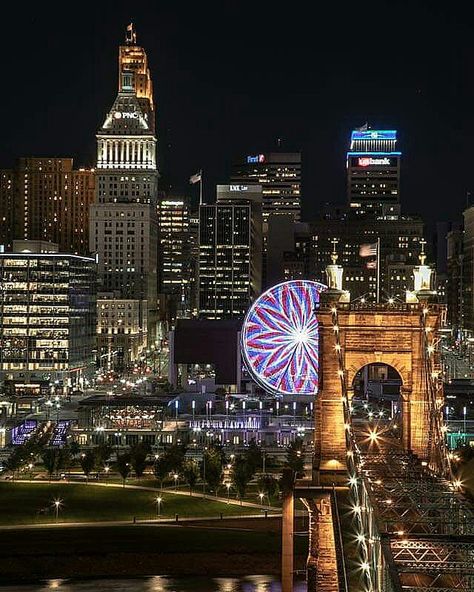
(123, 219)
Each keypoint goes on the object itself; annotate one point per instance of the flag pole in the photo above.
(378, 270)
(200, 189)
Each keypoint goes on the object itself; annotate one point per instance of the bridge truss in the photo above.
(415, 530)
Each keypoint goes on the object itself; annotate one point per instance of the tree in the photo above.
(50, 457)
(161, 468)
(88, 462)
(254, 455)
(241, 475)
(138, 455)
(124, 465)
(175, 455)
(14, 462)
(268, 485)
(190, 473)
(295, 457)
(74, 448)
(102, 454)
(211, 468)
(287, 481)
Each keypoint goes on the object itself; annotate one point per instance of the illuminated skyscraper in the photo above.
(124, 223)
(373, 174)
(46, 199)
(279, 174)
(230, 252)
(175, 253)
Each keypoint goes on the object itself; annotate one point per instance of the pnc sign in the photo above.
(126, 115)
(366, 161)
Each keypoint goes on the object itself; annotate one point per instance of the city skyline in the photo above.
(320, 99)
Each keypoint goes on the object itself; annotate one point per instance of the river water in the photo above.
(159, 584)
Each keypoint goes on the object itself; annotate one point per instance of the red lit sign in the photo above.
(367, 161)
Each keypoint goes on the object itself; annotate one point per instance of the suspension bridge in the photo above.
(411, 528)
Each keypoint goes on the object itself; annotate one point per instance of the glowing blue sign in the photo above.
(257, 158)
(374, 135)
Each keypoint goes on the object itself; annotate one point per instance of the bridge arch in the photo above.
(353, 336)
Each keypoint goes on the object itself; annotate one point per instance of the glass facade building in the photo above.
(47, 320)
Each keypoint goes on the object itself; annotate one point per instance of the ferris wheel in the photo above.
(280, 338)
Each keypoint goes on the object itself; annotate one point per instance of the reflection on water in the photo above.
(160, 584)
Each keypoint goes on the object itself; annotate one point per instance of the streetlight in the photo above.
(158, 501)
(175, 477)
(261, 496)
(30, 466)
(106, 469)
(57, 504)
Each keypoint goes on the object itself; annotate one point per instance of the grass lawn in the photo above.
(20, 502)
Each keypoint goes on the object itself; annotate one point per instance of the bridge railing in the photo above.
(377, 574)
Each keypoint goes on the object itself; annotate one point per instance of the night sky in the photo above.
(232, 77)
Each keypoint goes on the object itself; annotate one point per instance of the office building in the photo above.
(288, 249)
(121, 331)
(373, 174)
(46, 199)
(279, 174)
(400, 247)
(468, 269)
(230, 252)
(455, 281)
(47, 319)
(123, 218)
(175, 253)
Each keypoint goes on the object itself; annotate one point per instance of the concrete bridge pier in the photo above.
(287, 552)
(322, 572)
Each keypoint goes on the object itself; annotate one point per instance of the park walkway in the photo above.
(194, 494)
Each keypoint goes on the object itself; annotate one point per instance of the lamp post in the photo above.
(261, 496)
(228, 491)
(57, 504)
(106, 469)
(204, 471)
(158, 506)
(175, 477)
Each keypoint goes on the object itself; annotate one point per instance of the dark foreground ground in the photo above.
(233, 548)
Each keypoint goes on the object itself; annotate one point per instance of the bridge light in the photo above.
(335, 328)
(373, 435)
(430, 349)
(340, 373)
(400, 532)
(334, 310)
(337, 347)
(353, 481)
(391, 300)
(360, 538)
(365, 566)
(389, 502)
